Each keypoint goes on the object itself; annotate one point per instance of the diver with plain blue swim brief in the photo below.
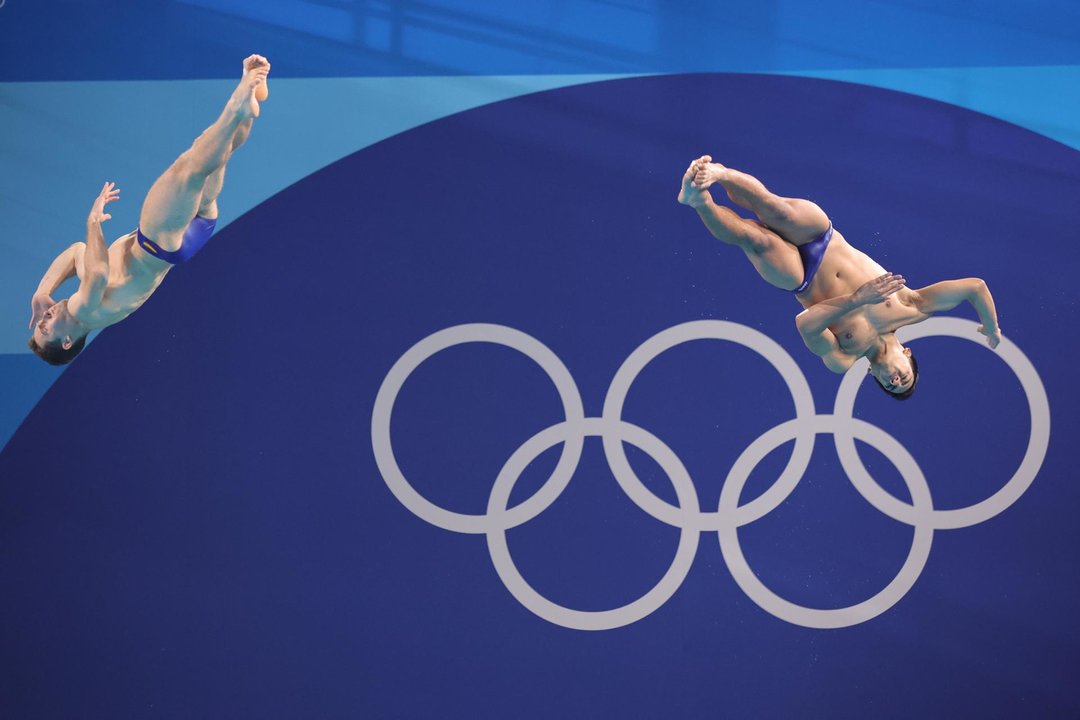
(852, 307)
(177, 219)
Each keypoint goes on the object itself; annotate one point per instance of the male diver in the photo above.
(177, 218)
(852, 306)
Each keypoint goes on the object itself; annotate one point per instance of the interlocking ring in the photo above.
(391, 386)
(1039, 440)
(687, 515)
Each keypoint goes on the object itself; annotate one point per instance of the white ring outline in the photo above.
(381, 443)
(729, 516)
(672, 580)
(784, 609)
(749, 338)
(1038, 441)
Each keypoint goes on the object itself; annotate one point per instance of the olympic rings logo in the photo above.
(687, 515)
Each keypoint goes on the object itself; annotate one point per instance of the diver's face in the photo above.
(54, 324)
(894, 372)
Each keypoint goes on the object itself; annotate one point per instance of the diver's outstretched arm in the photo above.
(947, 294)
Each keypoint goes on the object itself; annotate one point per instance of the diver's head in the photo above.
(58, 337)
(895, 369)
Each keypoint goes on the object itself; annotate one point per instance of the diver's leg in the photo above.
(176, 196)
(212, 187)
(776, 260)
(796, 220)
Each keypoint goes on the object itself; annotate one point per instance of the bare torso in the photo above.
(134, 275)
(843, 270)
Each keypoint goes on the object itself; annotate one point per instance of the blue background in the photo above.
(191, 520)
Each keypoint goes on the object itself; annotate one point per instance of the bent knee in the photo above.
(757, 238)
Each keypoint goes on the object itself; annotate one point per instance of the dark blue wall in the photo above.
(193, 522)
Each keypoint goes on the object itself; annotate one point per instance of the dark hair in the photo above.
(54, 352)
(914, 382)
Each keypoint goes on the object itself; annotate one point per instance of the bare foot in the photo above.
(708, 173)
(245, 97)
(690, 194)
(256, 62)
(243, 100)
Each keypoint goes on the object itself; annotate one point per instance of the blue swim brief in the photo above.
(811, 254)
(196, 235)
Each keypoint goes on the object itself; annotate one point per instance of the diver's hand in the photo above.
(41, 302)
(109, 192)
(878, 289)
(993, 337)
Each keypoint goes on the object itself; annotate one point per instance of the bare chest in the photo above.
(857, 331)
(131, 283)
(854, 334)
